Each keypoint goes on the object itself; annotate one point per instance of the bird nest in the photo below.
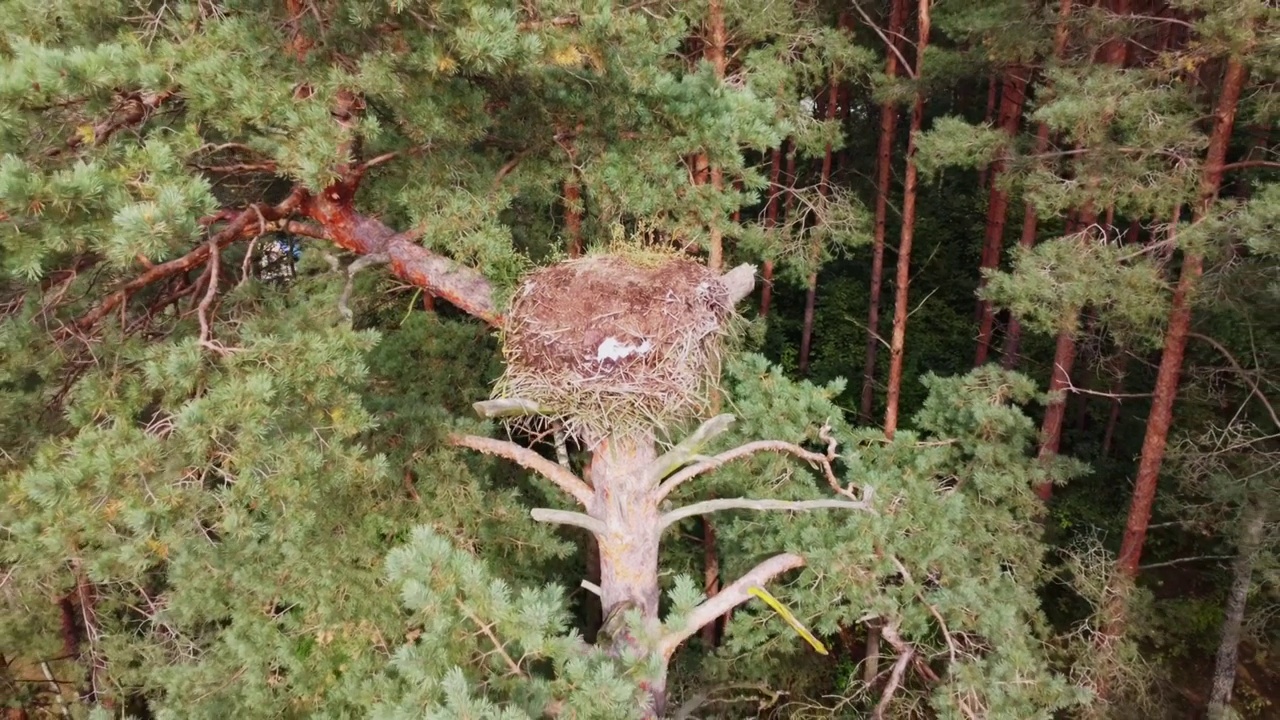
(612, 344)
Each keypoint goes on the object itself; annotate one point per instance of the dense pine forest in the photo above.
(657, 359)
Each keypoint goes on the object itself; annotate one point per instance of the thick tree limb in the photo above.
(687, 450)
(728, 598)
(506, 407)
(566, 517)
(710, 506)
(247, 221)
(463, 287)
(531, 460)
(740, 281)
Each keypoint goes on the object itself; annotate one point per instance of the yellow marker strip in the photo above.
(778, 607)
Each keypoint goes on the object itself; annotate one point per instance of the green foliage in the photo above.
(1051, 282)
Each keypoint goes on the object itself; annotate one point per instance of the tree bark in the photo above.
(771, 222)
(1015, 87)
(884, 170)
(1013, 336)
(714, 52)
(1175, 344)
(903, 279)
(1224, 671)
(1051, 430)
(811, 298)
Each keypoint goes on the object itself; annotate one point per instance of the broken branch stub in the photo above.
(619, 345)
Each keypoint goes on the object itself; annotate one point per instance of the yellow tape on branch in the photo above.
(795, 624)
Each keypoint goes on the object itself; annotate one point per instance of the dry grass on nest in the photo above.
(613, 344)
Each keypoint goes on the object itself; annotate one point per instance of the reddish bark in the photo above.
(710, 579)
(903, 279)
(1015, 87)
(714, 52)
(1051, 430)
(245, 222)
(573, 216)
(884, 169)
(770, 222)
(1175, 343)
(1013, 335)
(806, 332)
(461, 286)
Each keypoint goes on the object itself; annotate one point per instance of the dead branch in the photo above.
(687, 450)
(215, 258)
(727, 599)
(823, 461)
(709, 506)
(1244, 375)
(506, 407)
(906, 653)
(566, 517)
(235, 230)
(740, 281)
(530, 460)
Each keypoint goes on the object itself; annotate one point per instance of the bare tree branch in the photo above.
(1244, 375)
(238, 228)
(710, 506)
(566, 517)
(687, 449)
(905, 654)
(759, 446)
(727, 599)
(531, 460)
(506, 407)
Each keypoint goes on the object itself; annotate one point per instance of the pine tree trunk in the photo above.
(628, 507)
(884, 169)
(1012, 96)
(710, 578)
(1051, 431)
(771, 222)
(824, 187)
(573, 217)
(1175, 343)
(1013, 336)
(715, 53)
(1224, 671)
(993, 85)
(903, 278)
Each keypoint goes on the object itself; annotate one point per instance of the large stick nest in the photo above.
(613, 345)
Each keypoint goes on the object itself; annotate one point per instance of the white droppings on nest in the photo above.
(614, 350)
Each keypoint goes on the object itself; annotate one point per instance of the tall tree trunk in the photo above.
(903, 278)
(573, 216)
(1012, 96)
(1013, 335)
(1224, 671)
(993, 85)
(714, 53)
(811, 298)
(771, 222)
(1051, 430)
(1175, 343)
(884, 169)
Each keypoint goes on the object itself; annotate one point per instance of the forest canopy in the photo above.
(686, 359)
